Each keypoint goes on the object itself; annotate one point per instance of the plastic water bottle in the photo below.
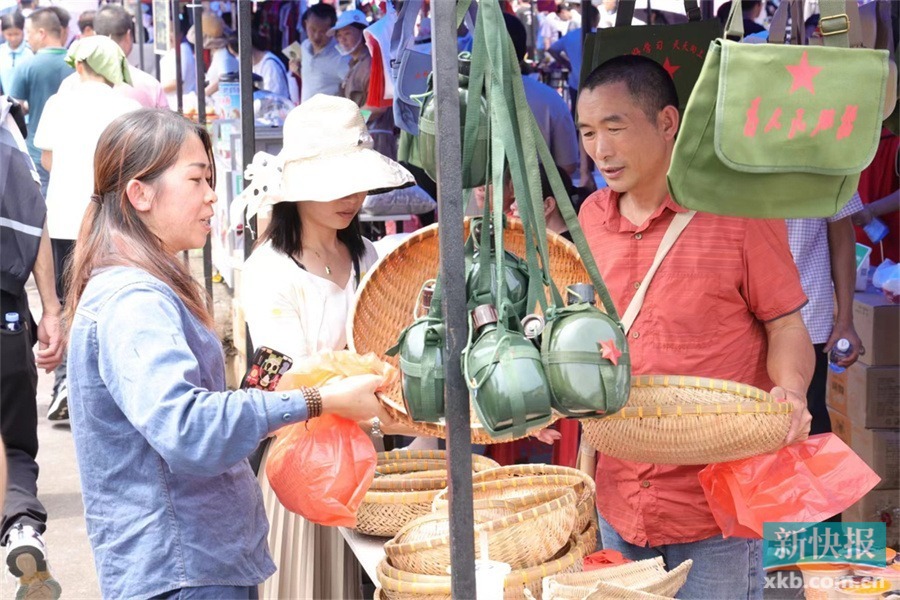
(876, 230)
(11, 321)
(839, 351)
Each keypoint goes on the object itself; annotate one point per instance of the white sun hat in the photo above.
(327, 155)
(349, 17)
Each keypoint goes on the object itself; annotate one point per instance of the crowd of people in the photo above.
(107, 185)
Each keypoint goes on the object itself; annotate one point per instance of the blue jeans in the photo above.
(724, 569)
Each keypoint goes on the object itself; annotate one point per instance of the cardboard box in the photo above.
(878, 505)
(870, 396)
(879, 448)
(877, 321)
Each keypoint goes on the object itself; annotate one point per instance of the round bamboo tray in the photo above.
(397, 584)
(405, 489)
(645, 576)
(387, 295)
(526, 486)
(523, 539)
(585, 490)
(680, 420)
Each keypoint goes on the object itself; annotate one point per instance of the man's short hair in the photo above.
(48, 20)
(114, 21)
(86, 19)
(649, 84)
(13, 20)
(62, 14)
(322, 11)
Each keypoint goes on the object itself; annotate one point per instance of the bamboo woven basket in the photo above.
(585, 490)
(523, 539)
(527, 485)
(387, 296)
(680, 420)
(646, 576)
(397, 584)
(401, 493)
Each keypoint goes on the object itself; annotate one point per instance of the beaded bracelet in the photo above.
(313, 401)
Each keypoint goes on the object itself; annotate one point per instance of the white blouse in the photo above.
(292, 311)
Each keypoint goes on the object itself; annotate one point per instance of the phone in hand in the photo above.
(266, 369)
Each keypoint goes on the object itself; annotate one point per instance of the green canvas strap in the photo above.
(833, 22)
(514, 395)
(526, 180)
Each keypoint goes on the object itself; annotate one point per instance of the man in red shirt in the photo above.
(725, 303)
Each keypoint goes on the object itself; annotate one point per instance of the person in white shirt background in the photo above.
(14, 49)
(67, 135)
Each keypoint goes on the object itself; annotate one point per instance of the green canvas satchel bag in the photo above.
(777, 131)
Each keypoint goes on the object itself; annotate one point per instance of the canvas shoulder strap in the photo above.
(674, 230)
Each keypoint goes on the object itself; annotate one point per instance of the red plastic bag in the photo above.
(604, 558)
(321, 469)
(805, 482)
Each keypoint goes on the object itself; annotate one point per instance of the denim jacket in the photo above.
(170, 499)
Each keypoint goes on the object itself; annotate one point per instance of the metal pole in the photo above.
(456, 394)
(179, 85)
(139, 19)
(248, 125)
(197, 12)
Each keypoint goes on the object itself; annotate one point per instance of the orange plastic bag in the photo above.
(805, 482)
(321, 469)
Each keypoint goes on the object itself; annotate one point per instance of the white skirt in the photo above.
(313, 561)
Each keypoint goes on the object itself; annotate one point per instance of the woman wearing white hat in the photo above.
(299, 285)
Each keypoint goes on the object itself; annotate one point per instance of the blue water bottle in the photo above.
(876, 230)
(11, 321)
(841, 350)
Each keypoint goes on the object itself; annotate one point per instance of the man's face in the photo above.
(317, 31)
(34, 36)
(13, 37)
(629, 148)
(348, 37)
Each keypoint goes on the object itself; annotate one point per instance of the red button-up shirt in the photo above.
(703, 315)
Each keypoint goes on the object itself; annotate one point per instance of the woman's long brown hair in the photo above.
(140, 145)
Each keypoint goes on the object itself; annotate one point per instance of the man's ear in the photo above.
(549, 206)
(140, 195)
(668, 121)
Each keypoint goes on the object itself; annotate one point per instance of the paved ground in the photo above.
(60, 490)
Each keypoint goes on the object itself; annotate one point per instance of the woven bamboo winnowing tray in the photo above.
(525, 538)
(397, 584)
(680, 420)
(386, 299)
(585, 490)
(645, 576)
(405, 484)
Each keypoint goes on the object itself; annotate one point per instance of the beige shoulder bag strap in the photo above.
(675, 228)
(587, 456)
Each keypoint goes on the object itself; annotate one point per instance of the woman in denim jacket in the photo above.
(173, 509)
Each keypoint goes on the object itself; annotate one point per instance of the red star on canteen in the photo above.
(670, 68)
(803, 74)
(610, 352)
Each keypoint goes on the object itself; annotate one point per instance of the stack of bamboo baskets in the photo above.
(539, 519)
(405, 485)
